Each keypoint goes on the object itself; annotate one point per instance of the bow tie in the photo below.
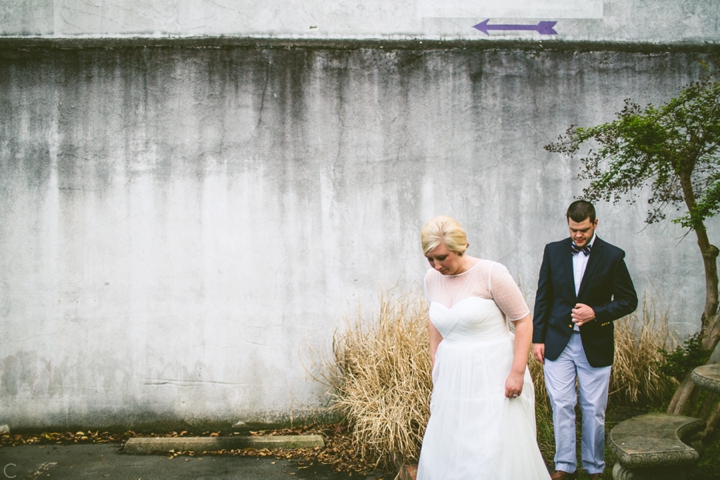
(575, 249)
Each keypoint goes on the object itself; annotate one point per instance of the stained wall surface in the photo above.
(184, 218)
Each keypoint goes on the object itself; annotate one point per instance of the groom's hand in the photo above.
(539, 352)
(582, 314)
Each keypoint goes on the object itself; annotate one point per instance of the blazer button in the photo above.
(570, 326)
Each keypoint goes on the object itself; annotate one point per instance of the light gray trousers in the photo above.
(593, 384)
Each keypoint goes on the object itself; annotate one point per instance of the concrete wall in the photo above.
(194, 194)
(623, 21)
(178, 224)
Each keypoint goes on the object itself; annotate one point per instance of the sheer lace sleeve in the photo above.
(506, 293)
(444, 289)
(430, 284)
(425, 287)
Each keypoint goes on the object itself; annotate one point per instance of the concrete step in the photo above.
(145, 445)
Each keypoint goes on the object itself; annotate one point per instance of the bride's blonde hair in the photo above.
(444, 229)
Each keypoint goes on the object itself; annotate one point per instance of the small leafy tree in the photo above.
(679, 362)
(673, 150)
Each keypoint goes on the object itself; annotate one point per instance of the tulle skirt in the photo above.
(474, 431)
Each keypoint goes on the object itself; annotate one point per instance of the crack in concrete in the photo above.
(187, 383)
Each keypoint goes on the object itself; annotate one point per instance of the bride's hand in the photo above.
(514, 384)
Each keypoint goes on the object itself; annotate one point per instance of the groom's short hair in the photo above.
(579, 210)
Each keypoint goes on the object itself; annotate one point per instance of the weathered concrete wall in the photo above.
(653, 21)
(178, 224)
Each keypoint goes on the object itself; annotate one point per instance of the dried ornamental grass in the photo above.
(381, 380)
(636, 378)
(543, 411)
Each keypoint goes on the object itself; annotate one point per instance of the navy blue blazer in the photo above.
(606, 287)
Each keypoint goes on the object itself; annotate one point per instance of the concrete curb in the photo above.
(142, 445)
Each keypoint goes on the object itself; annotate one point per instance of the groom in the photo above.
(584, 286)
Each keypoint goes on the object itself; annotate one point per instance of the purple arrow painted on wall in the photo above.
(543, 28)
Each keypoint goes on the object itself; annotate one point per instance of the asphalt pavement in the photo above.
(106, 461)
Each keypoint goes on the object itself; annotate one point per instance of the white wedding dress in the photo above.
(474, 431)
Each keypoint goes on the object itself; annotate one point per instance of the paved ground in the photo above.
(103, 461)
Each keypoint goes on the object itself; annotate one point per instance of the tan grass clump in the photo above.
(543, 410)
(636, 378)
(381, 379)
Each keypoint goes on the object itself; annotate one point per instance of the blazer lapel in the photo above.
(595, 258)
(567, 266)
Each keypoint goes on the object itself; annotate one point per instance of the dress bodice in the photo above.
(471, 319)
(475, 304)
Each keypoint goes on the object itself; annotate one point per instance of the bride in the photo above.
(482, 411)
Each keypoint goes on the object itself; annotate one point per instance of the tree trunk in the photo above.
(712, 422)
(681, 396)
(712, 334)
(687, 388)
(709, 252)
(710, 319)
(709, 255)
(706, 407)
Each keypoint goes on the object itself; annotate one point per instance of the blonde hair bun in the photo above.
(444, 229)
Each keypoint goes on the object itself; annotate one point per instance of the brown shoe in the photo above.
(560, 475)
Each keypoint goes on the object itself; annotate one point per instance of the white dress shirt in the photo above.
(580, 261)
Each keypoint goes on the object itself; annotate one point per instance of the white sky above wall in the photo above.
(511, 8)
(657, 21)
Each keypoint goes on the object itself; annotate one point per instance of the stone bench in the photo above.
(707, 377)
(655, 446)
